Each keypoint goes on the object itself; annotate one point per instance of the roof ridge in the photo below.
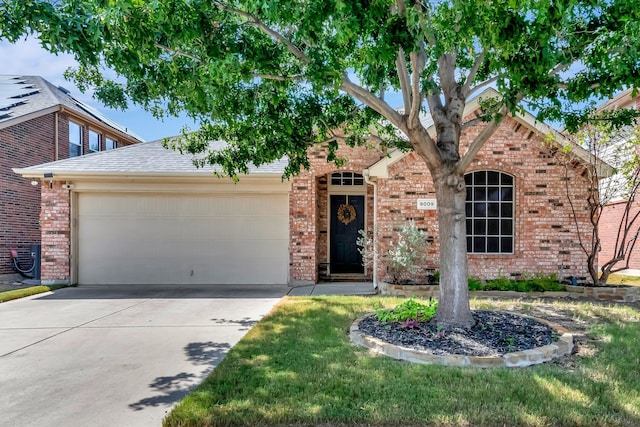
(45, 87)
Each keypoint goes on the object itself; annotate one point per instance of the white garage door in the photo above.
(183, 239)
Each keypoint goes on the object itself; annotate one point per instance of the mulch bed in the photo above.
(495, 333)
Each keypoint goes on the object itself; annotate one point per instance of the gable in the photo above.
(525, 123)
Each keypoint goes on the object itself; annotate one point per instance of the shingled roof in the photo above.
(32, 96)
(145, 159)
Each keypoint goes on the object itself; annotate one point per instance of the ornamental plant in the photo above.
(406, 258)
(408, 312)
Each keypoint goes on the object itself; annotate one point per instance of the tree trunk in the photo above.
(453, 304)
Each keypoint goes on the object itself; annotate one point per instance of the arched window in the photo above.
(490, 212)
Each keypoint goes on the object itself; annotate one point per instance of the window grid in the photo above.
(346, 178)
(490, 212)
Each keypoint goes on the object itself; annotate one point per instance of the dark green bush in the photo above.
(475, 284)
(538, 283)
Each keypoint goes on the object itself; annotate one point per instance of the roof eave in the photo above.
(29, 116)
(92, 120)
(65, 175)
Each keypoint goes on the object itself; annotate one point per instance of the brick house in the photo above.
(40, 123)
(613, 213)
(160, 220)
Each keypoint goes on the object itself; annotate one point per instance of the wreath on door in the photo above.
(346, 213)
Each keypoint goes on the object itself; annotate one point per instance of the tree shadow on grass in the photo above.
(301, 369)
(171, 389)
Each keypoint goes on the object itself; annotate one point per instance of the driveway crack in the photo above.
(71, 328)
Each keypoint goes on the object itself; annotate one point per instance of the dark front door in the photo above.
(347, 217)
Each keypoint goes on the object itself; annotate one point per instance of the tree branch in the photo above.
(435, 103)
(417, 66)
(472, 74)
(446, 72)
(368, 98)
(267, 30)
(479, 141)
(177, 52)
(482, 84)
(403, 77)
(472, 122)
(558, 68)
(423, 22)
(277, 77)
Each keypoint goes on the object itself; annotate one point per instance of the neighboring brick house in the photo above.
(40, 123)
(265, 231)
(614, 212)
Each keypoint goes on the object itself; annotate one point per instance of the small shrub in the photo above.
(475, 284)
(409, 310)
(500, 284)
(538, 283)
(408, 255)
(364, 242)
(547, 283)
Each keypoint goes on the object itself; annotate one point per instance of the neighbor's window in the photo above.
(94, 141)
(489, 209)
(75, 139)
(109, 144)
(346, 178)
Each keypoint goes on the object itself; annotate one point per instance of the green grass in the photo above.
(297, 367)
(25, 292)
(621, 279)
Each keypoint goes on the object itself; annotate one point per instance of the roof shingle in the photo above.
(148, 158)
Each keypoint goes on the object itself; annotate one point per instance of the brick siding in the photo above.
(609, 224)
(56, 232)
(29, 143)
(25, 144)
(308, 205)
(545, 239)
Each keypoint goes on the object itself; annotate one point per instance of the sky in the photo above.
(26, 57)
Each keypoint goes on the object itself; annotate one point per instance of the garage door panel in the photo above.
(178, 239)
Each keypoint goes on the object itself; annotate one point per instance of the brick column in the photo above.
(55, 218)
(302, 206)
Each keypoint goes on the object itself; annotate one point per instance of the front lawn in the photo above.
(26, 292)
(297, 367)
(622, 279)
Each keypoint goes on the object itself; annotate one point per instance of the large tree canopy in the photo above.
(273, 77)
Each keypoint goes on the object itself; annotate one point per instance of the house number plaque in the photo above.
(427, 204)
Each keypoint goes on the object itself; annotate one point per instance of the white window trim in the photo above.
(499, 218)
(81, 129)
(93, 132)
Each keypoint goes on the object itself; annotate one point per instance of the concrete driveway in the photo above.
(96, 356)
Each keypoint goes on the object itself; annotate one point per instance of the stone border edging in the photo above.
(604, 293)
(517, 359)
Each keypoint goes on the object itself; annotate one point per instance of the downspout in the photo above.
(365, 174)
